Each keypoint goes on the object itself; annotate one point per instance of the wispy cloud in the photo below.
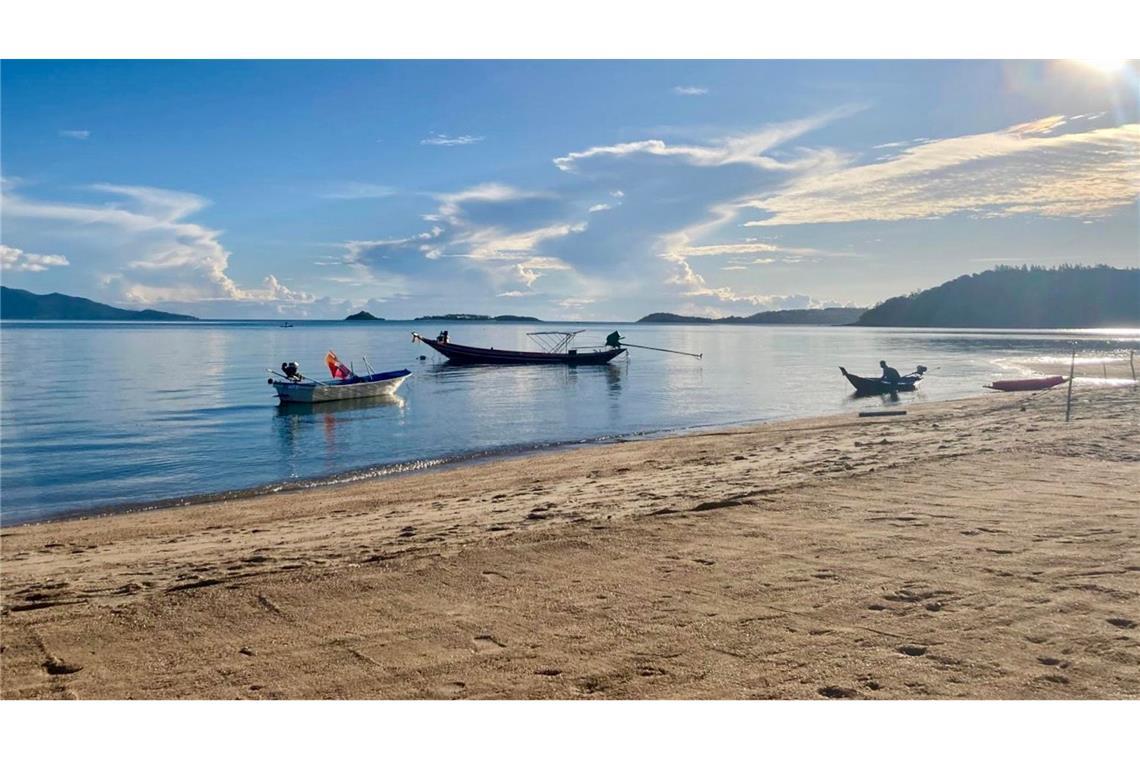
(447, 141)
(357, 191)
(599, 207)
(75, 134)
(16, 260)
(690, 90)
(749, 148)
(1039, 168)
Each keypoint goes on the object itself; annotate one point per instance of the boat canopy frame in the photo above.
(555, 341)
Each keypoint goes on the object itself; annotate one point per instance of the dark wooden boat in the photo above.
(1027, 384)
(561, 353)
(873, 386)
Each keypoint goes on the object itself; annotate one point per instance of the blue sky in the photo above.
(591, 190)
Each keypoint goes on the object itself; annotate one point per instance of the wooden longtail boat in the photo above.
(1027, 384)
(557, 344)
(873, 386)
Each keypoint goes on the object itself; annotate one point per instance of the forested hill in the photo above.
(829, 316)
(1020, 297)
(21, 304)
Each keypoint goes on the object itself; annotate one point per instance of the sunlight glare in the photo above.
(1103, 65)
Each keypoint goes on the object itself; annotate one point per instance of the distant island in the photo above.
(21, 304)
(1019, 297)
(476, 318)
(363, 316)
(832, 316)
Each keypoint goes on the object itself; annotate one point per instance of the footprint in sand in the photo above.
(837, 692)
(1121, 622)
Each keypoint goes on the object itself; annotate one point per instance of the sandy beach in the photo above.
(974, 549)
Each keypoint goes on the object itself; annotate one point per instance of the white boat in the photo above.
(302, 390)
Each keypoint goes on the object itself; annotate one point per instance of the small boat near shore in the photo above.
(307, 391)
(873, 386)
(1026, 384)
(294, 388)
(556, 343)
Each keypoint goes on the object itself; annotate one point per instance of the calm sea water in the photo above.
(98, 416)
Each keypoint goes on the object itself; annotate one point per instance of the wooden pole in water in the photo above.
(1069, 400)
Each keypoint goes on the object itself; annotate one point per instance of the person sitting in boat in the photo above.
(890, 374)
(291, 370)
(442, 337)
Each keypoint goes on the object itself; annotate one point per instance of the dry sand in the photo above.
(980, 549)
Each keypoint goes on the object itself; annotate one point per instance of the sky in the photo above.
(593, 190)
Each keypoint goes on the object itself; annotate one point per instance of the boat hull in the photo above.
(1027, 384)
(472, 355)
(873, 386)
(309, 392)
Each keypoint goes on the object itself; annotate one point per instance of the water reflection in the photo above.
(196, 414)
(298, 438)
(344, 405)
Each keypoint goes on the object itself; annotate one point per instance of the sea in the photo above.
(98, 417)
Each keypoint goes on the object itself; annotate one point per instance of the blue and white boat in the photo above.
(294, 388)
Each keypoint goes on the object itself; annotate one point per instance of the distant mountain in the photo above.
(363, 316)
(832, 316)
(1020, 297)
(476, 318)
(20, 304)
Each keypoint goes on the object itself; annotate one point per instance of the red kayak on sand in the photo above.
(1029, 384)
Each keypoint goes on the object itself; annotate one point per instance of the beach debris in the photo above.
(886, 413)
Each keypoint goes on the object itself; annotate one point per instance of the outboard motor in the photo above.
(291, 370)
(921, 370)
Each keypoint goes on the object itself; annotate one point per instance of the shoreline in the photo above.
(443, 463)
(387, 471)
(810, 546)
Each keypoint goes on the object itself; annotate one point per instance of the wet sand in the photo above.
(974, 549)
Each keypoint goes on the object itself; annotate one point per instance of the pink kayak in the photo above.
(1029, 384)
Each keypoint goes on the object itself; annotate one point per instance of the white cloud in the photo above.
(575, 303)
(143, 247)
(15, 260)
(75, 134)
(444, 140)
(690, 90)
(451, 204)
(599, 207)
(1032, 168)
(747, 148)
